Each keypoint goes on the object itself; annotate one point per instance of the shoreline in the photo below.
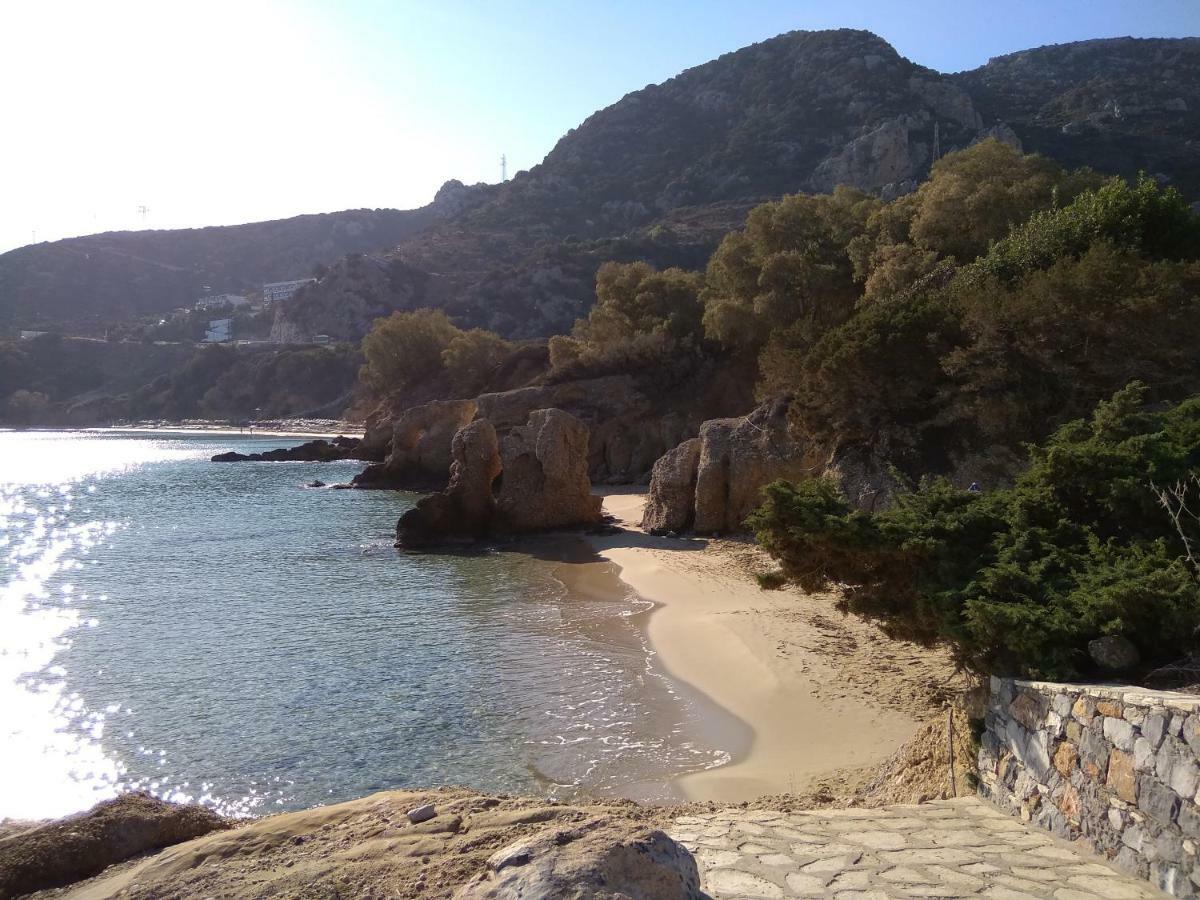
(822, 696)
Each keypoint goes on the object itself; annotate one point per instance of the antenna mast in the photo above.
(503, 167)
(143, 209)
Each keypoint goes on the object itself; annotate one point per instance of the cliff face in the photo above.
(667, 170)
(1122, 105)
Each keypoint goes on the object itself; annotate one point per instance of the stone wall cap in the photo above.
(1128, 694)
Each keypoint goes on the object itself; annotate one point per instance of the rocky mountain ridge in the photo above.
(664, 172)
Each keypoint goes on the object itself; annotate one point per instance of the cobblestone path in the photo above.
(950, 848)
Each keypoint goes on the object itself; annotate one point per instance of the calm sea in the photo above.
(222, 633)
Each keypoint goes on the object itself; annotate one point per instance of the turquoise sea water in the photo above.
(222, 633)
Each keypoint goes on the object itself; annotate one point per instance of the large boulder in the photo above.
(599, 859)
(420, 451)
(545, 481)
(738, 458)
(67, 850)
(671, 503)
(464, 510)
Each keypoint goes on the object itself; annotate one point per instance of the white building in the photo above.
(219, 331)
(216, 300)
(275, 291)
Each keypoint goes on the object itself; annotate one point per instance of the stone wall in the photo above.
(1117, 768)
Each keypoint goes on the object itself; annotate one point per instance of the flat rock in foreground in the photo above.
(66, 850)
(369, 848)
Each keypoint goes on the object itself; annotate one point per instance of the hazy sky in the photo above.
(213, 112)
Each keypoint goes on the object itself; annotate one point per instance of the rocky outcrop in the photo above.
(465, 509)
(671, 502)
(311, 451)
(599, 859)
(543, 484)
(738, 458)
(545, 480)
(371, 847)
(421, 451)
(64, 851)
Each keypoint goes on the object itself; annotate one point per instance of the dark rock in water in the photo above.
(1114, 653)
(599, 858)
(464, 510)
(313, 451)
(316, 484)
(71, 849)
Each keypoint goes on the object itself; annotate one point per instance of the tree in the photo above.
(1018, 580)
(25, 408)
(406, 347)
(472, 356)
(633, 299)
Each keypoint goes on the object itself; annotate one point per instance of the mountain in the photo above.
(87, 282)
(661, 175)
(1122, 105)
(666, 171)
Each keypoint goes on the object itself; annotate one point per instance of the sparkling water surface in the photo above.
(221, 633)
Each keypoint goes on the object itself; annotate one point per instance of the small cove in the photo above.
(220, 633)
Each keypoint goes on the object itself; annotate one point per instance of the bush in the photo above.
(1018, 580)
(406, 347)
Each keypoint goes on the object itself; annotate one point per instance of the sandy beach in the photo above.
(813, 695)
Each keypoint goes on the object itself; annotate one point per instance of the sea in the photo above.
(227, 634)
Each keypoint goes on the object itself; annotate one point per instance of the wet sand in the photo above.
(820, 693)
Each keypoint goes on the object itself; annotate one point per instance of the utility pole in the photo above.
(503, 167)
(937, 143)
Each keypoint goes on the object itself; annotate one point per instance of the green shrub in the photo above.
(1019, 580)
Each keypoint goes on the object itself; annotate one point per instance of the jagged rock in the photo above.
(464, 510)
(599, 859)
(671, 502)
(882, 156)
(1114, 653)
(738, 457)
(545, 482)
(421, 453)
(77, 847)
(310, 451)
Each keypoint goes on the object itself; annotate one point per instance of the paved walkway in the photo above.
(951, 848)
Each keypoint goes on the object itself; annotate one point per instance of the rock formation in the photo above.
(545, 480)
(671, 503)
(311, 451)
(421, 452)
(464, 510)
(598, 859)
(544, 483)
(64, 851)
(738, 457)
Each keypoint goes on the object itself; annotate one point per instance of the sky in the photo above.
(215, 112)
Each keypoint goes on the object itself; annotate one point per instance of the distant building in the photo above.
(216, 300)
(219, 331)
(30, 335)
(275, 291)
(322, 339)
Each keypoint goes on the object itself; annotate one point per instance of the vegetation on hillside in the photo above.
(1019, 580)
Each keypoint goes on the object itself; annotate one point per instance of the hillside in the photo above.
(667, 170)
(1122, 106)
(89, 281)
